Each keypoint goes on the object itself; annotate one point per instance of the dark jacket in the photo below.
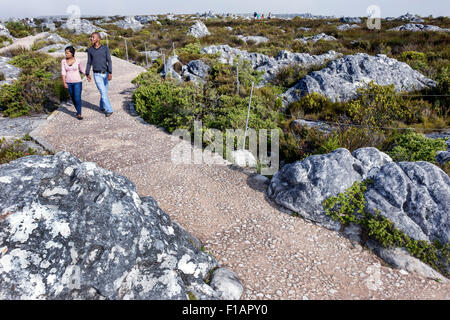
(99, 59)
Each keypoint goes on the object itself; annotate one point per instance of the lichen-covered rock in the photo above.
(415, 27)
(198, 30)
(72, 230)
(340, 80)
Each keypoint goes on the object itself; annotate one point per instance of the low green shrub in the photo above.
(12, 150)
(2, 76)
(38, 88)
(412, 146)
(18, 29)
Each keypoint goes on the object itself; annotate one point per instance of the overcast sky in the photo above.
(27, 8)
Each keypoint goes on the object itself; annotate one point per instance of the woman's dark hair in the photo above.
(72, 50)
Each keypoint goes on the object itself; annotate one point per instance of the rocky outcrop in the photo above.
(55, 43)
(129, 23)
(4, 32)
(415, 196)
(9, 71)
(198, 30)
(198, 68)
(146, 19)
(269, 65)
(314, 39)
(72, 230)
(345, 27)
(411, 18)
(195, 71)
(253, 39)
(152, 55)
(416, 27)
(342, 77)
(81, 26)
(304, 185)
(350, 20)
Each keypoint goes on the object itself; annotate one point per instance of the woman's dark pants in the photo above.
(75, 93)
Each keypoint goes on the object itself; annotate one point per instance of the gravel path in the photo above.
(276, 256)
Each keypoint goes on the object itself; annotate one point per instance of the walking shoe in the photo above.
(102, 110)
(108, 114)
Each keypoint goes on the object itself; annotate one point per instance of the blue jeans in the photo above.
(101, 80)
(75, 93)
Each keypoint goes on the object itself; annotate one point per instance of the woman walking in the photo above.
(70, 72)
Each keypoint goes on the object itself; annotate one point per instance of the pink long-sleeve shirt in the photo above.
(72, 72)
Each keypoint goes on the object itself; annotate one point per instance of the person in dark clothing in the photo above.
(99, 58)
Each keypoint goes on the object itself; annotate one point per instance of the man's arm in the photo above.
(88, 64)
(109, 61)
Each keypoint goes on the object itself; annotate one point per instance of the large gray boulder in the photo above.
(350, 20)
(5, 32)
(345, 27)
(416, 27)
(146, 19)
(410, 17)
(198, 68)
(9, 71)
(317, 37)
(303, 186)
(415, 196)
(198, 30)
(254, 39)
(72, 230)
(340, 80)
(129, 23)
(81, 26)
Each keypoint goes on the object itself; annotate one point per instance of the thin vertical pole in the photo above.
(173, 48)
(146, 54)
(164, 62)
(248, 115)
(126, 48)
(107, 42)
(237, 77)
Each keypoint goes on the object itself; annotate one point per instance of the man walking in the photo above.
(99, 58)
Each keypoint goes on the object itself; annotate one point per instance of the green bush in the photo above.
(12, 150)
(2, 76)
(38, 88)
(411, 146)
(165, 103)
(18, 29)
(380, 106)
(417, 60)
